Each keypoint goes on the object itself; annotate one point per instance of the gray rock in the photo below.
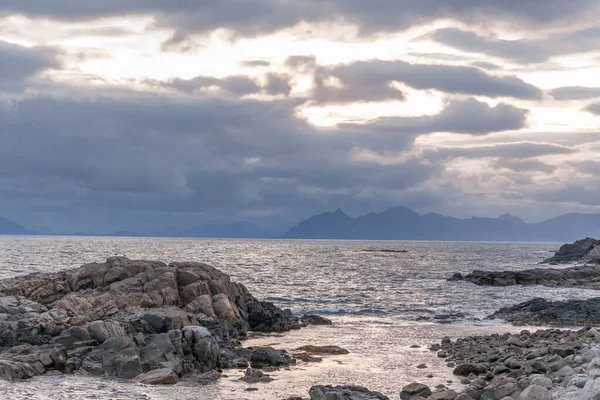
(344, 393)
(415, 390)
(162, 376)
(535, 392)
(127, 364)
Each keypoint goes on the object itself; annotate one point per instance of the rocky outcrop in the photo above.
(585, 250)
(129, 319)
(558, 313)
(587, 276)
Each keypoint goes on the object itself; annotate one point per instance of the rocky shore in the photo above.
(142, 320)
(548, 364)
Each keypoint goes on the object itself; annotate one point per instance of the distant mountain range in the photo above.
(400, 223)
(8, 227)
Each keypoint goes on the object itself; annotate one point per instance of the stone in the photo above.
(127, 364)
(315, 320)
(466, 369)
(161, 376)
(267, 356)
(345, 393)
(414, 390)
(323, 350)
(443, 395)
(535, 392)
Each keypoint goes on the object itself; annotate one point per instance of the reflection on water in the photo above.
(381, 304)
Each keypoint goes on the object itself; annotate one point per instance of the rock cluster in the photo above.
(547, 364)
(130, 319)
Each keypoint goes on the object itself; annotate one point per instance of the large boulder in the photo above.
(344, 393)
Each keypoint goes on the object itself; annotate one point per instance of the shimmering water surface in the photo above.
(381, 304)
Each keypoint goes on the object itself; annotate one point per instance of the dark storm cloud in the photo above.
(594, 108)
(575, 93)
(18, 63)
(372, 79)
(206, 154)
(506, 151)
(261, 16)
(523, 50)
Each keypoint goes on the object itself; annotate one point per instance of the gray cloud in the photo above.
(372, 77)
(505, 151)
(232, 85)
(278, 84)
(256, 63)
(162, 155)
(485, 65)
(523, 50)
(575, 93)
(235, 85)
(524, 165)
(594, 108)
(261, 16)
(301, 63)
(20, 63)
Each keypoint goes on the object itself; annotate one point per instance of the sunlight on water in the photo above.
(381, 304)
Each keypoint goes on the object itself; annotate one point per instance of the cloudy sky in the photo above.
(143, 113)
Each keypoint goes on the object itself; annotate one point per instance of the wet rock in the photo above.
(323, 350)
(270, 356)
(466, 369)
(543, 312)
(415, 390)
(315, 320)
(345, 393)
(253, 375)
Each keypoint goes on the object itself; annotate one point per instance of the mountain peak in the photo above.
(511, 218)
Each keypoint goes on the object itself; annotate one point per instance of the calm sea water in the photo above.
(381, 304)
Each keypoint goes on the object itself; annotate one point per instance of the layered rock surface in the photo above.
(125, 318)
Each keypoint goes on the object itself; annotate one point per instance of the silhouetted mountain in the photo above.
(8, 227)
(402, 223)
(511, 218)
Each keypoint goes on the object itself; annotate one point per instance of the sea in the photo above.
(384, 298)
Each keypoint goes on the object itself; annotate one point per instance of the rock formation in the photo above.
(129, 319)
(585, 250)
(579, 276)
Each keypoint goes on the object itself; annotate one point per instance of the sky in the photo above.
(147, 113)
